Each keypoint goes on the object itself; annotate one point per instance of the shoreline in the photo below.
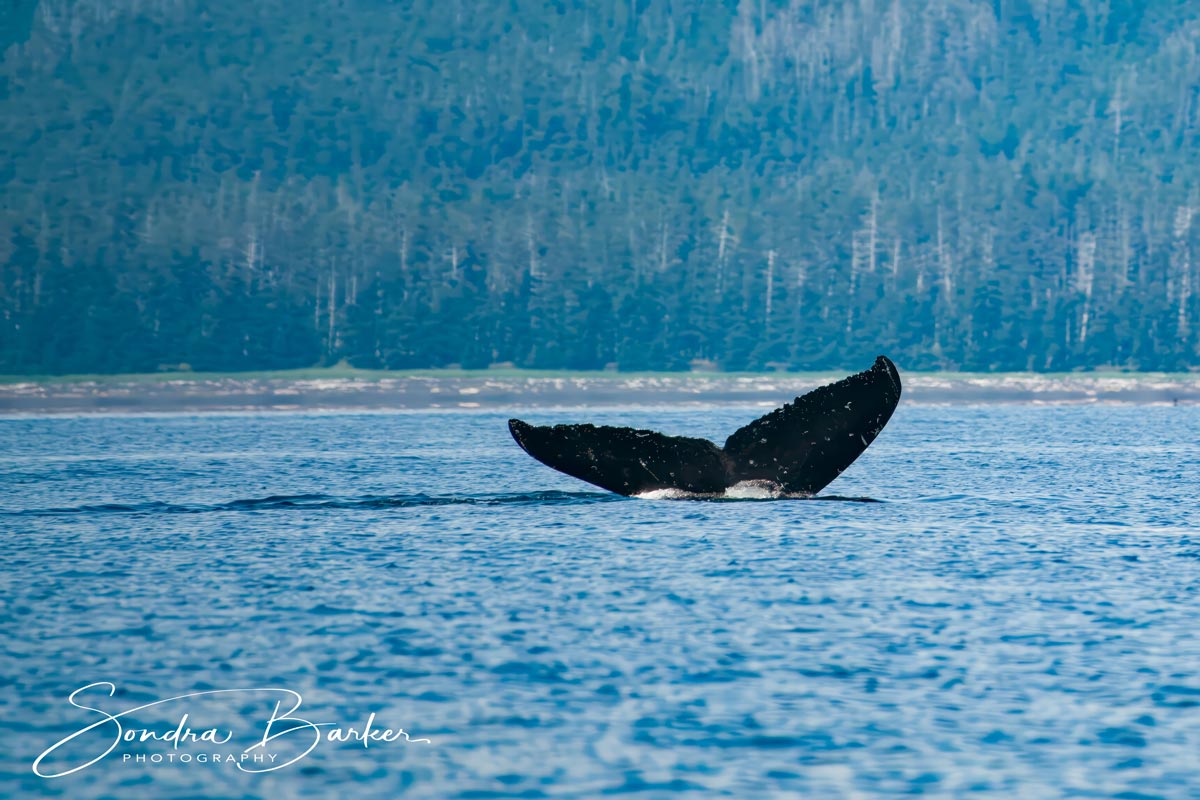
(342, 372)
(330, 390)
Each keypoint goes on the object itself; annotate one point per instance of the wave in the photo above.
(322, 501)
(733, 495)
(369, 502)
(745, 490)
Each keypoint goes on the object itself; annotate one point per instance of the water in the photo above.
(1017, 616)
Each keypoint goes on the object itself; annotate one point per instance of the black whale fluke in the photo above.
(799, 447)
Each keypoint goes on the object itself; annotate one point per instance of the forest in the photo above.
(628, 184)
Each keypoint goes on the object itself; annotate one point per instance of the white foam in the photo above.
(745, 490)
(667, 494)
(754, 490)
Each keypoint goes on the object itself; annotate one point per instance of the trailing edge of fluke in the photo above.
(798, 448)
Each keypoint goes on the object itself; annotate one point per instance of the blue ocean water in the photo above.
(1017, 615)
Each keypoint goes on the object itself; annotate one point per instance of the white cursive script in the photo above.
(283, 722)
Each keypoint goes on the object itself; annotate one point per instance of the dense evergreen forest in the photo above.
(999, 185)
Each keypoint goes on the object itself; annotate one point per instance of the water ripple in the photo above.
(321, 501)
(1017, 620)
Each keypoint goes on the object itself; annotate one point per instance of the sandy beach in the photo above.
(458, 390)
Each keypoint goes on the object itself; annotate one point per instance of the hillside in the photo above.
(965, 185)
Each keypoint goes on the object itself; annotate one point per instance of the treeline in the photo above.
(1002, 185)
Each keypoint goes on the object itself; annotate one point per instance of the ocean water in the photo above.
(1016, 616)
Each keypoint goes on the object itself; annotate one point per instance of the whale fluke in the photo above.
(799, 447)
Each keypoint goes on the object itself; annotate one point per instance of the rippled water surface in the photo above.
(1017, 616)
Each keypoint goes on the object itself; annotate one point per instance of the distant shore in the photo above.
(339, 388)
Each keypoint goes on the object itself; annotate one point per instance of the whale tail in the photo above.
(800, 447)
(807, 443)
(624, 460)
